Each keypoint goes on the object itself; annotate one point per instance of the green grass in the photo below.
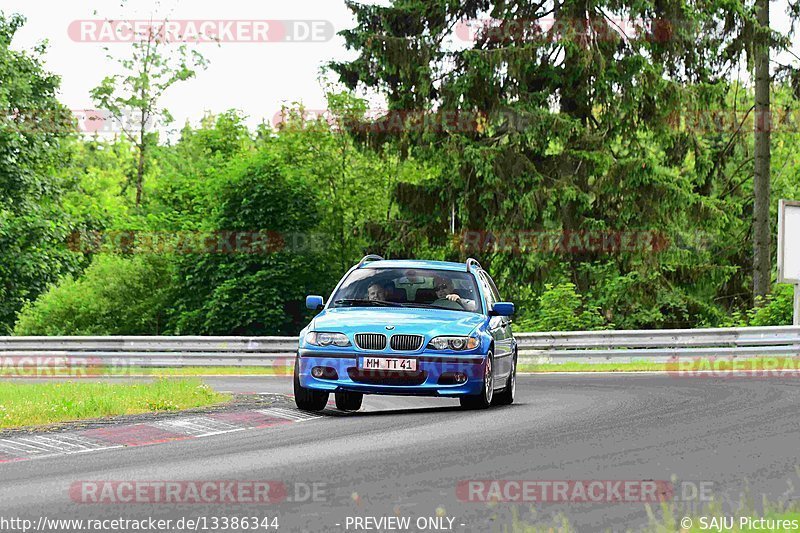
(214, 371)
(122, 371)
(27, 404)
(766, 364)
(673, 517)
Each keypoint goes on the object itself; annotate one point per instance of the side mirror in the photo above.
(315, 303)
(502, 309)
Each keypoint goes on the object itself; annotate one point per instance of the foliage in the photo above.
(114, 296)
(188, 175)
(254, 289)
(354, 181)
(94, 179)
(776, 310)
(603, 179)
(577, 129)
(33, 129)
(561, 308)
(133, 98)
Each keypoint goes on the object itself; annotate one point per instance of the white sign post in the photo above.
(789, 249)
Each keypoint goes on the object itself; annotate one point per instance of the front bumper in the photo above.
(431, 378)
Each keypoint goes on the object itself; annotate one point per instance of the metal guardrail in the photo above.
(584, 346)
(144, 351)
(659, 345)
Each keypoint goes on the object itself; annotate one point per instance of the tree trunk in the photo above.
(762, 270)
(140, 176)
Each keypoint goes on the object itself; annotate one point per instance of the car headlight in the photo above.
(324, 338)
(454, 343)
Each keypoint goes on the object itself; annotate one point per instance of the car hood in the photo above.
(429, 322)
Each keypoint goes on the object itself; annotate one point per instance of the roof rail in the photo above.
(473, 262)
(367, 258)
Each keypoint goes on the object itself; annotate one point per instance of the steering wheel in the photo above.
(449, 304)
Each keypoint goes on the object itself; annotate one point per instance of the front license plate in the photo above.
(385, 363)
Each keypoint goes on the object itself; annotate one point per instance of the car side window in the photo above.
(487, 291)
(493, 287)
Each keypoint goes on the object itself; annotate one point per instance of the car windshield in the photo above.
(407, 287)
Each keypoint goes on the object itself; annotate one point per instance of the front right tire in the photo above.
(484, 398)
(307, 399)
(348, 401)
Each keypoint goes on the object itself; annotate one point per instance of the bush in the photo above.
(114, 296)
(260, 293)
(776, 311)
(561, 308)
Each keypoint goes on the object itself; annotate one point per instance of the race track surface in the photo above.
(407, 456)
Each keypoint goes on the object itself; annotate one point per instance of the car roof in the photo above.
(415, 263)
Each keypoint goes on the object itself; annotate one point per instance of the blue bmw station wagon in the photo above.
(403, 327)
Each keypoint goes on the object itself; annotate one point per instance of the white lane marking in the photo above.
(198, 426)
(81, 440)
(54, 445)
(49, 443)
(280, 414)
(51, 446)
(63, 440)
(17, 447)
(289, 414)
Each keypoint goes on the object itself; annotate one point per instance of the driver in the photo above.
(445, 293)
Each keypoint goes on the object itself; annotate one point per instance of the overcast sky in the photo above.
(254, 77)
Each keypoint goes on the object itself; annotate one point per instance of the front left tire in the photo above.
(506, 396)
(307, 399)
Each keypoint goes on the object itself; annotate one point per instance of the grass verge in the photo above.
(214, 371)
(27, 404)
(723, 365)
(765, 365)
(771, 517)
(671, 517)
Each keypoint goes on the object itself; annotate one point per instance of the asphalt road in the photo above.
(406, 456)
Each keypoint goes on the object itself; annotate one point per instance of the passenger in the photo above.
(376, 292)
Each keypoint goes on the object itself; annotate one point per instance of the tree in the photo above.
(191, 171)
(132, 98)
(255, 281)
(578, 118)
(762, 250)
(34, 126)
(355, 179)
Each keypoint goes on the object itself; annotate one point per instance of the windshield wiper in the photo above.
(356, 301)
(431, 306)
(420, 304)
